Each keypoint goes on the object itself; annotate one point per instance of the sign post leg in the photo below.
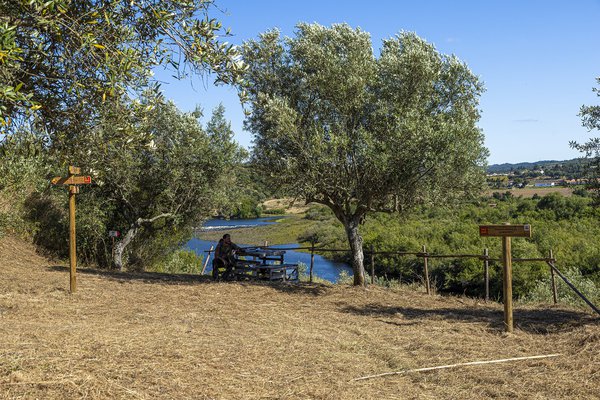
(508, 305)
(72, 240)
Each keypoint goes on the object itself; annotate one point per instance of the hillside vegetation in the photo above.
(127, 335)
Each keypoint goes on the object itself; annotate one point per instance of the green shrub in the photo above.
(319, 213)
(542, 290)
(181, 262)
(274, 211)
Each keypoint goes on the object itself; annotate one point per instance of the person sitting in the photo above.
(225, 257)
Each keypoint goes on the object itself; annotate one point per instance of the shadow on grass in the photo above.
(314, 289)
(148, 277)
(536, 321)
(305, 288)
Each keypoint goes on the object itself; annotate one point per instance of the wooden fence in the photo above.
(484, 257)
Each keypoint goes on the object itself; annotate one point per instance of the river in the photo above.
(323, 268)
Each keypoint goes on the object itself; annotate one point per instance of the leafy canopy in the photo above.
(341, 126)
(60, 60)
(590, 116)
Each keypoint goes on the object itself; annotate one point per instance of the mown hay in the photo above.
(147, 336)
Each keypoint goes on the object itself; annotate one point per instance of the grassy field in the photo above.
(156, 336)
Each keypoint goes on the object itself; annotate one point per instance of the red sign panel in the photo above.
(505, 230)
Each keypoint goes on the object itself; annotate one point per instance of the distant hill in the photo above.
(507, 167)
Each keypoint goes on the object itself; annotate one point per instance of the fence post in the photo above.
(372, 265)
(507, 284)
(312, 261)
(486, 274)
(206, 260)
(426, 270)
(553, 279)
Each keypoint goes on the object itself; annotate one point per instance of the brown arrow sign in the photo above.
(72, 180)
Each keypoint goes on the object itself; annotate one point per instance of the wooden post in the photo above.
(553, 279)
(72, 181)
(372, 265)
(206, 260)
(507, 285)
(312, 261)
(506, 231)
(426, 270)
(486, 273)
(72, 240)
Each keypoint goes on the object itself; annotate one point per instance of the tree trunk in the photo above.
(130, 235)
(120, 247)
(356, 246)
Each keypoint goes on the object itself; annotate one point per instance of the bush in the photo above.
(318, 213)
(22, 172)
(181, 262)
(542, 291)
(274, 211)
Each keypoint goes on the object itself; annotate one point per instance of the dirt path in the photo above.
(148, 336)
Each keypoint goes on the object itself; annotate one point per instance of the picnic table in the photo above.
(264, 264)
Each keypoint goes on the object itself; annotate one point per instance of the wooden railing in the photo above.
(485, 258)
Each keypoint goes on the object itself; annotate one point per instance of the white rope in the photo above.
(406, 371)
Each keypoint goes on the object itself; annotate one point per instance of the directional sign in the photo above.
(505, 230)
(114, 233)
(72, 180)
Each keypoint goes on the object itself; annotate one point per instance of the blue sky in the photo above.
(537, 59)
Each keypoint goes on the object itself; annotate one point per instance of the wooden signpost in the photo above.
(72, 180)
(506, 232)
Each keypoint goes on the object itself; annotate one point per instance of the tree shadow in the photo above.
(536, 321)
(146, 277)
(312, 289)
(305, 288)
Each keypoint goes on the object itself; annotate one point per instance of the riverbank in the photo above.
(284, 230)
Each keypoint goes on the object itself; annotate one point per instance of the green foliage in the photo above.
(340, 126)
(318, 213)
(274, 211)
(247, 207)
(567, 225)
(180, 262)
(542, 290)
(61, 60)
(157, 183)
(590, 116)
(345, 278)
(22, 172)
(240, 193)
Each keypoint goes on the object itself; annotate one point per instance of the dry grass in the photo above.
(125, 336)
(291, 206)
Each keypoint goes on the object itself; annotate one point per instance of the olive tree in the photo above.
(590, 116)
(358, 131)
(62, 60)
(154, 185)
